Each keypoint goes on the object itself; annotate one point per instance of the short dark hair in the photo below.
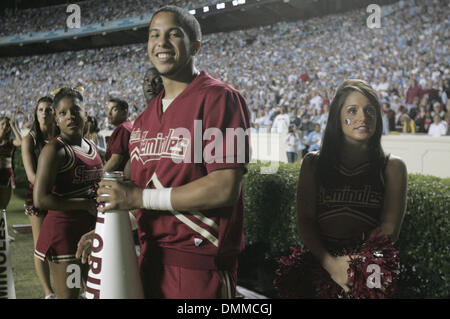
(66, 92)
(187, 20)
(122, 104)
(94, 126)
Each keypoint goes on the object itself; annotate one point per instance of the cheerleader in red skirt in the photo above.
(69, 169)
(7, 148)
(349, 192)
(43, 130)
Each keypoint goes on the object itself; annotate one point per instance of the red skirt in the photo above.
(60, 233)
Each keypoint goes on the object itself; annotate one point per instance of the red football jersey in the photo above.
(118, 143)
(82, 172)
(162, 157)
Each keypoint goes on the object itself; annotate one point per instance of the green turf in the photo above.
(21, 249)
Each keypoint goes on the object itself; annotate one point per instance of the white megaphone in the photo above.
(113, 267)
(7, 289)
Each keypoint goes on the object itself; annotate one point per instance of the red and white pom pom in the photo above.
(373, 272)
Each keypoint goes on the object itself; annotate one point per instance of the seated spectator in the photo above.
(414, 108)
(413, 91)
(313, 140)
(92, 133)
(447, 122)
(431, 93)
(408, 124)
(292, 141)
(420, 121)
(306, 125)
(382, 87)
(315, 116)
(398, 117)
(390, 115)
(259, 121)
(323, 120)
(281, 122)
(438, 127)
(438, 109)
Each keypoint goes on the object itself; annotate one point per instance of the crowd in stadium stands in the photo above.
(287, 72)
(15, 21)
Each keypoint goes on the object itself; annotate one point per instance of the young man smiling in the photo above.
(190, 214)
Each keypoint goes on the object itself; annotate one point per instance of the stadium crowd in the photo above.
(92, 11)
(291, 65)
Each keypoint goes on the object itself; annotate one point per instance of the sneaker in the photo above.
(50, 296)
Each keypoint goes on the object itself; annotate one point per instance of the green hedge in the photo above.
(424, 243)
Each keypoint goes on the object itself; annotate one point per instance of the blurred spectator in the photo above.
(281, 122)
(314, 139)
(438, 127)
(438, 109)
(92, 11)
(390, 116)
(323, 120)
(408, 124)
(421, 121)
(292, 142)
(400, 53)
(414, 91)
(92, 133)
(431, 93)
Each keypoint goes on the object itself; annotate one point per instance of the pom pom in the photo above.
(373, 272)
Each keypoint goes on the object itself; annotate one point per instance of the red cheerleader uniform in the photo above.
(77, 178)
(6, 165)
(30, 210)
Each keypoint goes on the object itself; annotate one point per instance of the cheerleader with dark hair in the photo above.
(351, 201)
(42, 131)
(7, 148)
(69, 169)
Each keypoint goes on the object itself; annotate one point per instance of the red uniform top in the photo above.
(163, 154)
(118, 143)
(80, 175)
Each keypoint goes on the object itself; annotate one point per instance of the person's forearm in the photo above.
(112, 164)
(16, 132)
(31, 176)
(53, 202)
(204, 194)
(309, 233)
(127, 171)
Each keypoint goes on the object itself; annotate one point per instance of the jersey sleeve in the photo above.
(119, 144)
(226, 140)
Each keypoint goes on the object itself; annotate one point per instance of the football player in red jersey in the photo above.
(152, 84)
(69, 169)
(117, 148)
(191, 211)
